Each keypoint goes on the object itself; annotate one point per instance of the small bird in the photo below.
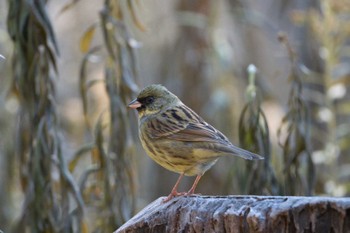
(177, 138)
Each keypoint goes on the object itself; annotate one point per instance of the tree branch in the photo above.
(243, 214)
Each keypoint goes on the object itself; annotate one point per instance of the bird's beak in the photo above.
(134, 104)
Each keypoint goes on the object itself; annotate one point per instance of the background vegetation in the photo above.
(70, 159)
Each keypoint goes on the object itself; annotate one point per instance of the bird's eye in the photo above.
(149, 100)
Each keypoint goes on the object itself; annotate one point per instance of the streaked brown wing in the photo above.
(159, 127)
(166, 124)
(182, 124)
(215, 140)
(199, 132)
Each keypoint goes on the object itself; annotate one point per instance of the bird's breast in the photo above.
(177, 156)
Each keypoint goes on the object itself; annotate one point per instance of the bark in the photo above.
(243, 214)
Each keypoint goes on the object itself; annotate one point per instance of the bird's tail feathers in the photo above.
(245, 154)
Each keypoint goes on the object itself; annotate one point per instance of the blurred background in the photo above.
(70, 157)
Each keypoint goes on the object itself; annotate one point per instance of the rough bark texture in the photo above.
(243, 214)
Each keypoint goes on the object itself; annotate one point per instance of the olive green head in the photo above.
(153, 99)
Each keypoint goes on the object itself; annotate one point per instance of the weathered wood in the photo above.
(243, 214)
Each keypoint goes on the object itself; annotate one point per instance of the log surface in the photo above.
(243, 214)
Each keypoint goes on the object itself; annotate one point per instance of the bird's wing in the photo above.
(214, 140)
(171, 122)
(199, 132)
(182, 124)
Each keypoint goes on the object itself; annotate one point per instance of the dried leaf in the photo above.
(67, 7)
(84, 227)
(79, 154)
(135, 19)
(86, 39)
(83, 84)
(38, 9)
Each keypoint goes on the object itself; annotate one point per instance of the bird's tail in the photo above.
(245, 154)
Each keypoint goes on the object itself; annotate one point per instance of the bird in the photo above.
(177, 138)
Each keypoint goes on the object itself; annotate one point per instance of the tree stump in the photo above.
(243, 214)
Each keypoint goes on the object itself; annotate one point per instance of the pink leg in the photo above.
(174, 192)
(191, 191)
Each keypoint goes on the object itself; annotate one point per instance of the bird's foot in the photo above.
(191, 193)
(173, 194)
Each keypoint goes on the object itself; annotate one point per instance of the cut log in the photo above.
(243, 214)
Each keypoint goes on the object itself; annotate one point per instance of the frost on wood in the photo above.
(243, 214)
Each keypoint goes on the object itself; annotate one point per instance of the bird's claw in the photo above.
(174, 194)
(177, 194)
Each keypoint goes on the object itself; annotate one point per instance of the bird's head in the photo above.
(153, 99)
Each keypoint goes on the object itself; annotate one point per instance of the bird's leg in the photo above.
(191, 191)
(174, 192)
